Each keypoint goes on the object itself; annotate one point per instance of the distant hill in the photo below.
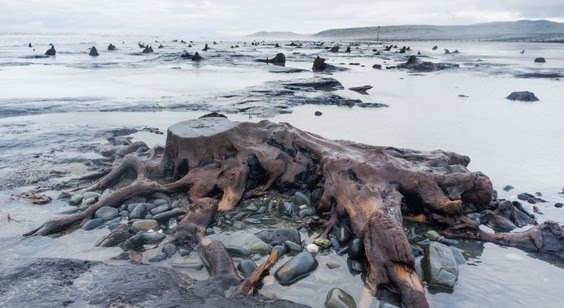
(515, 30)
(276, 34)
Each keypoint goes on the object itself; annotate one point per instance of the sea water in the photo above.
(52, 110)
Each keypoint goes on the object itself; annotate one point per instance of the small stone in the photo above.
(508, 188)
(170, 249)
(159, 201)
(335, 244)
(238, 251)
(88, 201)
(151, 237)
(524, 96)
(280, 234)
(343, 234)
(246, 267)
(93, 224)
(356, 266)
(298, 267)
(300, 198)
(318, 113)
(158, 257)
(440, 266)
(252, 221)
(251, 208)
(239, 225)
(91, 194)
(259, 247)
(190, 265)
(356, 248)
(138, 212)
(432, 234)
(323, 243)
(558, 205)
(165, 216)
(540, 60)
(75, 199)
(312, 248)
(332, 265)
(107, 213)
(308, 211)
(293, 247)
(337, 298)
(161, 209)
(145, 225)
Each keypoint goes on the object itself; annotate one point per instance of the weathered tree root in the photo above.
(371, 185)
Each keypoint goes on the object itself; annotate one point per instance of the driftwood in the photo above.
(217, 163)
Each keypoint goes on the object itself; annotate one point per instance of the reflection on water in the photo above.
(50, 124)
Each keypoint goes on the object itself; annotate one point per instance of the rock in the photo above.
(161, 209)
(253, 221)
(170, 249)
(435, 47)
(458, 256)
(93, 224)
(334, 49)
(356, 249)
(107, 213)
(343, 234)
(440, 266)
(319, 64)
(323, 243)
(148, 49)
(523, 96)
(348, 49)
(145, 225)
(361, 89)
(293, 247)
(186, 55)
(280, 235)
(259, 247)
(246, 267)
(337, 298)
(151, 237)
(206, 48)
(75, 199)
(158, 257)
(91, 194)
(332, 265)
(138, 212)
(318, 113)
(298, 267)
(308, 211)
(540, 60)
(558, 205)
(165, 216)
(197, 57)
(312, 248)
(51, 51)
(111, 47)
(29, 45)
(411, 61)
(238, 251)
(498, 223)
(432, 234)
(94, 51)
(301, 199)
(508, 188)
(377, 66)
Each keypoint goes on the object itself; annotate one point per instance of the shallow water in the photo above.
(54, 111)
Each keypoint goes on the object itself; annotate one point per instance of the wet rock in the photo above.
(279, 59)
(259, 247)
(458, 256)
(435, 47)
(318, 113)
(145, 225)
(93, 52)
(337, 298)
(197, 57)
(355, 266)
(440, 266)
(356, 249)
(323, 243)
(280, 235)
(75, 199)
(331, 265)
(335, 244)
(300, 199)
(308, 211)
(51, 51)
(361, 89)
(138, 212)
(151, 237)
(186, 55)
(343, 234)
(377, 66)
(148, 49)
(530, 198)
(160, 209)
(319, 64)
(508, 188)
(348, 49)
(334, 49)
(253, 221)
(540, 60)
(158, 257)
(238, 251)
(135, 242)
(170, 249)
(298, 267)
(293, 247)
(91, 194)
(239, 225)
(93, 224)
(107, 213)
(558, 205)
(498, 223)
(523, 96)
(432, 234)
(413, 64)
(111, 47)
(246, 267)
(165, 216)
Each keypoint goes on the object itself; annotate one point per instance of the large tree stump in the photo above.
(213, 157)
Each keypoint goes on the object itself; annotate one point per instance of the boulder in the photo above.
(51, 51)
(523, 96)
(439, 266)
(94, 52)
(334, 49)
(540, 60)
(111, 47)
(279, 59)
(148, 49)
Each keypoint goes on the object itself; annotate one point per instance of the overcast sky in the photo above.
(228, 17)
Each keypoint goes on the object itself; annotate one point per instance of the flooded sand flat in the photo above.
(50, 120)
